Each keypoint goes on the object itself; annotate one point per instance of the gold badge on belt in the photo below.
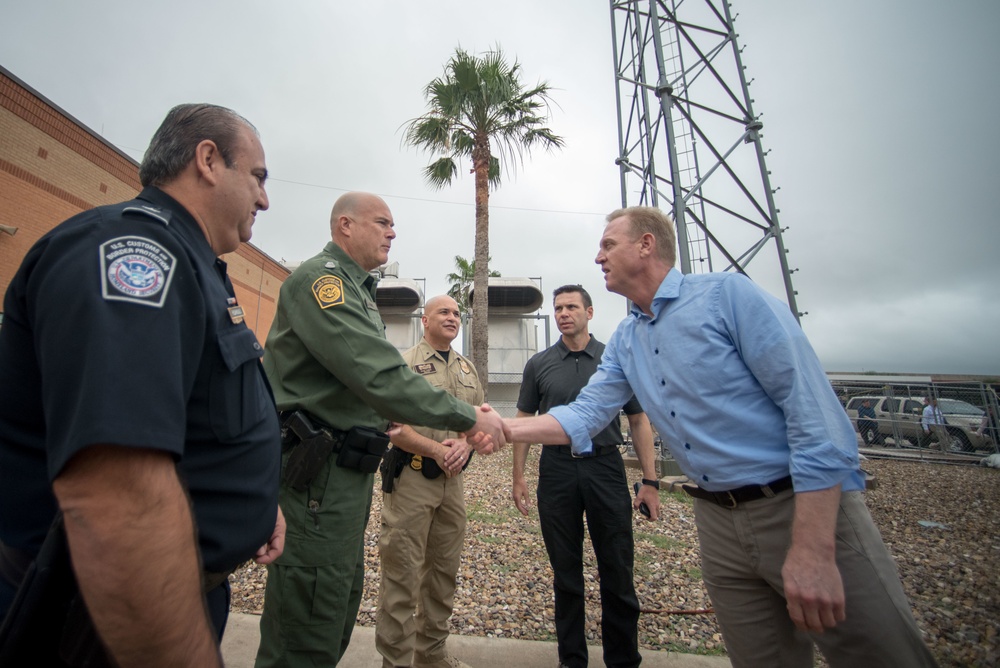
(417, 463)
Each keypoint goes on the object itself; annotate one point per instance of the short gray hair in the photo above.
(186, 126)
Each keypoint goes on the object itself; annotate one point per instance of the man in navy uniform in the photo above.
(132, 401)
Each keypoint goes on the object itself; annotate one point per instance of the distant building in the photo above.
(514, 336)
(52, 167)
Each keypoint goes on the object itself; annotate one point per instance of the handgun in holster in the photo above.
(314, 447)
(391, 468)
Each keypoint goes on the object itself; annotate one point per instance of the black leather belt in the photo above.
(596, 451)
(734, 497)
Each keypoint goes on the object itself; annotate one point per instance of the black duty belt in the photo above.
(596, 451)
(312, 442)
(733, 497)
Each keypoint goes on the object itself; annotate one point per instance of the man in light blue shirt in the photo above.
(932, 422)
(790, 554)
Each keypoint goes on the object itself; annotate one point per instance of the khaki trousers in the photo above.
(420, 546)
(742, 553)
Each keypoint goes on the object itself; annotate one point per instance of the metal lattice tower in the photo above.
(689, 140)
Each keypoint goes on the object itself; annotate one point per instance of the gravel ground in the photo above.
(505, 582)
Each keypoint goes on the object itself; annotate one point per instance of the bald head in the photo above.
(441, 320)
(361, 224)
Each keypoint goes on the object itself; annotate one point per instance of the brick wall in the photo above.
(52, 167)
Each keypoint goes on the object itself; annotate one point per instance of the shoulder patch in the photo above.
(424, 369)
(153, 212)
(329, 291)
(136, 269)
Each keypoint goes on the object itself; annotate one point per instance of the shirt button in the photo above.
(705, 478)
(673, 414)
(656, 351)
(687, 445)
(663, 382)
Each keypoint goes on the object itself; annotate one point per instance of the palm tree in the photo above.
(478, 105)
(461, 282)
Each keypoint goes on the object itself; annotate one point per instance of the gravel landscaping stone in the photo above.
(941, 524)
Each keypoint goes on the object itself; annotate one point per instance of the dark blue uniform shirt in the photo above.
(117, 330)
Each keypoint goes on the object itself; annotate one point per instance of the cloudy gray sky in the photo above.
(880, 116)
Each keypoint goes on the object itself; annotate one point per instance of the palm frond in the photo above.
(440, 172)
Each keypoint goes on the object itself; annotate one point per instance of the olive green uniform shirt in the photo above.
(327, 354)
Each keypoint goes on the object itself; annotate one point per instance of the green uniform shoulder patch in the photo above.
(329, 291)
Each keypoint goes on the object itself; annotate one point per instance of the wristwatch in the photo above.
(651, 483)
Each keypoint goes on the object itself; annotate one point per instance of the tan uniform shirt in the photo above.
(457, 377)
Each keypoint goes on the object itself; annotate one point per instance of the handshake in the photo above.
(487, 436)
(491, 433)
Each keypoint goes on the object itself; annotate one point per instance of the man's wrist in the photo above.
(652, 483)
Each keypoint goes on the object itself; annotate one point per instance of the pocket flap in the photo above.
(238, 346)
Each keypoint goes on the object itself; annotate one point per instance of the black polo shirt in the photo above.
(555, 376)
(118, 330)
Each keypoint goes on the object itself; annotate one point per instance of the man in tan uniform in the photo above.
(423, 509)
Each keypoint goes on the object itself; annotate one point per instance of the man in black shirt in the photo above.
(570, 486)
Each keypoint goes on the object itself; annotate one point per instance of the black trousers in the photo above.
(568, 489)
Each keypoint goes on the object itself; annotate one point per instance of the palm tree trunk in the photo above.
(480, 303)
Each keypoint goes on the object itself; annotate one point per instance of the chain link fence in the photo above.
(890, 415)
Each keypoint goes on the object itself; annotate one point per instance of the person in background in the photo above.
(423, 509)
(932, 423)
(595, 486)
(867, 426)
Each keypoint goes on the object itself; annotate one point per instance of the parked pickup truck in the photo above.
(898, 418)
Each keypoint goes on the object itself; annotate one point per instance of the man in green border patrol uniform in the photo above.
(423, 510)
(337, 383)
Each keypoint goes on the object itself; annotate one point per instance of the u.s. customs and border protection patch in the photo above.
(329, 291)
(136, 269)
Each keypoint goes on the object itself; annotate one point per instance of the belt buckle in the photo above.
(593, 452)
(727, 498)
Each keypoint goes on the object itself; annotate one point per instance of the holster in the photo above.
(360, 448)
(311, 446)
(391, 468)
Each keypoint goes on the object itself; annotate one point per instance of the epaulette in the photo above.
(149, 210)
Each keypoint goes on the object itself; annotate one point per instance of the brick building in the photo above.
(52, 167)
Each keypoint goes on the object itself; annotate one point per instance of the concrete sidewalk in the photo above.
(239, 647)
